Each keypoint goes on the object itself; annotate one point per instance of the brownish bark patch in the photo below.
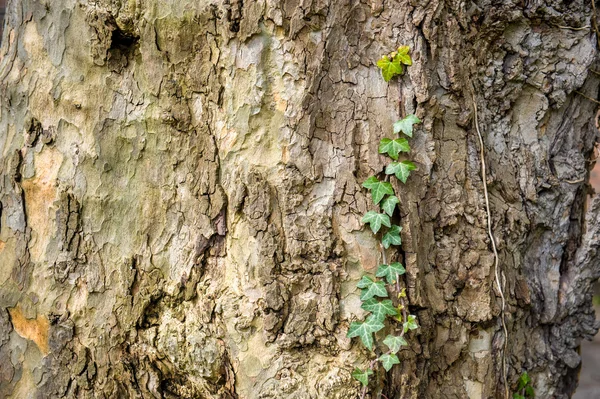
(35, 330)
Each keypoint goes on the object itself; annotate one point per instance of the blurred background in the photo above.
(589, 377)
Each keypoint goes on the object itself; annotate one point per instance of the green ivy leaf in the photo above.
(365, 331)
(371, 288)
(391, 272)
(365, 282)
(411, 323)
(517, 396)
(379, 190)
(370, 182)
(388, 361)
(362, 376)
(393, 147)
(395, 342)
(380, 310)
(524, 380)
(400, 169)
(392, 237)
(375, 220)
(405, 125)
(403, 56)
(389, 68)
(529, 391)
(389, 204)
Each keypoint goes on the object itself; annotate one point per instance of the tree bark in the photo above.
(180, 187)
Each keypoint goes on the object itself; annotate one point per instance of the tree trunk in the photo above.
(180, 187)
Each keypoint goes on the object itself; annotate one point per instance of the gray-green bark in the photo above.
(180, 195)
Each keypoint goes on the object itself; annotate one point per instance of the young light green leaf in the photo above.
(372, 289)
(389, 68)
(403, 56)
(379, 190)
(518, 396)
(365, 331)
(400, 169)
(375, 220)
(391, 272)
(524, 380)
(370, 182)
(393, 147)
(380, 310)
(362, 376)
(388, 361)
(389, 204)
(405, 125)
(392, 237)
(395, 342)
(411, 323)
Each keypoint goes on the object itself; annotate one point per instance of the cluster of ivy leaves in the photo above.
(375, 292)
(392, 64)
(524, 389)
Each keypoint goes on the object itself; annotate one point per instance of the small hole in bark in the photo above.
(123, 41)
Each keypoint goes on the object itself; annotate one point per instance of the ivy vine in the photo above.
(376, 292)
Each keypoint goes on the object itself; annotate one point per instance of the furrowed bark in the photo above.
(180, 195)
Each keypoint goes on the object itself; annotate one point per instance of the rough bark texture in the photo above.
(180, 195)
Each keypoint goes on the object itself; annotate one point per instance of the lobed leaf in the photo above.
(380, 310)
(403, 55)
(375, 220)
(380, 190)
(388, 361)
(391, 272)
(365, 331)
(376, 288)
(389, 67)
(400, 169)
(393, 147)
(392, 237)
(362, 376)
(411, 323)
(389, 204)
(395, 343)
(370, 182)
(405, 125)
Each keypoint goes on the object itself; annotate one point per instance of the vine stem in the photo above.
(404, 317)
(491, 235)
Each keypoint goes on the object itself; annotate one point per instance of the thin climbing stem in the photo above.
(493, 241)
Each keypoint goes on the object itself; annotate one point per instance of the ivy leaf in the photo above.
(362, 376)
(393, 147)
(403, 56)
(371, 288)
(405, 125)
(379, 190)
(370, 182)
(380, 309)
(517, 396)
(391, 272)
(411, 323)
(389, 68)
(388, 361)
(529, 391)
(365, 331)
(395, 342)
(400, 169)
(392, 237)
(375, 220)
(389, 204)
